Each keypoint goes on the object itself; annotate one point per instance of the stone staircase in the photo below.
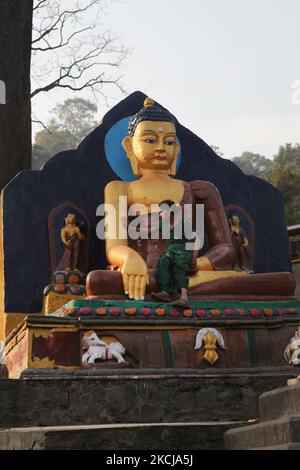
(134, 436)
(279, 428)
(172, 410)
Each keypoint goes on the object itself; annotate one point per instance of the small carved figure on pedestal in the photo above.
(292, 351)
(71, 238)
(241, 243)
(97, 349)
(69, 242)
(210, 338)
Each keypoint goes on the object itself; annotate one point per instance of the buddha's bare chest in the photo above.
(154, 192)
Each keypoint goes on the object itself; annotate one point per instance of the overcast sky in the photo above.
(225, 68)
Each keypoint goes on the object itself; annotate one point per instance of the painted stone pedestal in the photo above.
(152, 336)
(164, 387)
(65, 286)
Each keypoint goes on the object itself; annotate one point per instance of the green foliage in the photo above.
(252, 163)
(284, 174)
(73, 120)
(76, 118)
(39, 157)
(52, 140)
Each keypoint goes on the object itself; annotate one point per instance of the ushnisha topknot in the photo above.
(150, 112)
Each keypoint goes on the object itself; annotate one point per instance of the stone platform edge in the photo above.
(198, 309)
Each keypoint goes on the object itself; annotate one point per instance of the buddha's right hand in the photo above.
(135, 276)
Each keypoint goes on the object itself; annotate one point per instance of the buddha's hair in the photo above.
(151, 111)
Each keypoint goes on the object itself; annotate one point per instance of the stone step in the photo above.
(278, 433)
(164, 397)
(287, 446)
(279, 402)
(130, 436)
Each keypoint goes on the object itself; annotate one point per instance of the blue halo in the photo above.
(116, 155)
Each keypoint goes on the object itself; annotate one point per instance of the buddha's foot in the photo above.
(161, 296)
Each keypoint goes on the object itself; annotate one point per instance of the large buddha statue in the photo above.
(152, 149)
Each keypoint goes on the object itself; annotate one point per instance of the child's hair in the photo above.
(166, 202)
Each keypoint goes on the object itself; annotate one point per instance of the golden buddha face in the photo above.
(153, 146)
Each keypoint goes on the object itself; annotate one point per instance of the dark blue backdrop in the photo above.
(79, 176)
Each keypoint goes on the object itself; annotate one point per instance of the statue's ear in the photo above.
(173, 168)
(128, 147)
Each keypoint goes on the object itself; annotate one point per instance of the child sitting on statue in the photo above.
(174, 262)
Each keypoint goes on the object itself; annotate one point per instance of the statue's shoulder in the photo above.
(116, 186)
(113, 190)
(203, 186)
(206, 191)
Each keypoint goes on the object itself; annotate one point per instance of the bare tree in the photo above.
(15, 109)
(72, 49)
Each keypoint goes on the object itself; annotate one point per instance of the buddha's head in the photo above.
(151, 140)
